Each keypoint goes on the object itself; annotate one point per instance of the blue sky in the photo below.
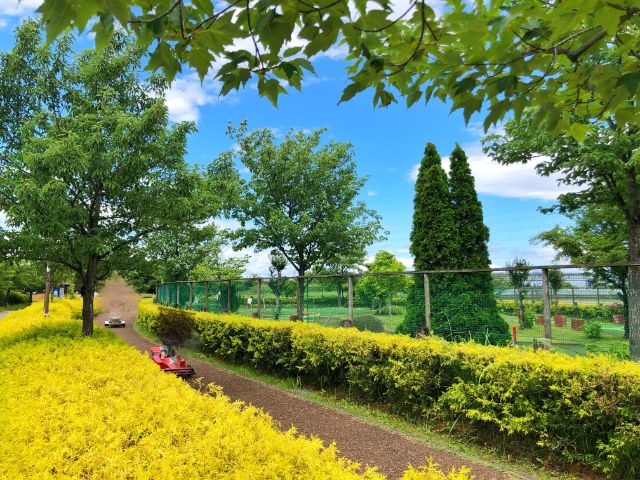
(388, 144)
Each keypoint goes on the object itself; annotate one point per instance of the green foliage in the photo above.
(370, 323)
(449, 232)
(473, 251)
(493, 56)
(90, 164)
(307, 209)
(174, 327)
(592, 330)
(529, 318)
(381, 289)
(477, 387)
(434, 241)
(586, 311)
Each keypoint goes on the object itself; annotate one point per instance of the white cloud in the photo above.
(372, 193)
(18, 8)
(513, 181)
(3, 23)
(187, 95)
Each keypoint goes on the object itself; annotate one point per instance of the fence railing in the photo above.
(576, 309)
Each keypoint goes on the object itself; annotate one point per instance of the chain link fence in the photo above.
(571, 309)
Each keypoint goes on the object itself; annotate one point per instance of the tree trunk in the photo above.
(47, 290)
(634, 288)
(300, 310)
(389, 305)
(6, 297)
(625, 311)
(88, 292)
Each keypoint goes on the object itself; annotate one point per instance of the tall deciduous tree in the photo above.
(89, 164)
(495, 55)
(599, 235)
(300, 198)
(605, 169)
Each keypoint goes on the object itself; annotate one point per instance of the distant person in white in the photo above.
(249, 302)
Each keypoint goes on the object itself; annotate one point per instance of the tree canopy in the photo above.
(484, 56)
(381, 289)
(90, 166)
(300, 198)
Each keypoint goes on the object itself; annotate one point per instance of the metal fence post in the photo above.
(598, 295)
(157, 299)
(178, 294)
(546, 303)
(206, 296)
(573, 295)
(259, 310)
(228, 296)
(190, 295)
(350, 283)
(427, 303)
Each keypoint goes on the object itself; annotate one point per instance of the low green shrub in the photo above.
(585, 409)
(529, 317)
(15, 298)
(581, 310)
(370, 323)
(592, 329)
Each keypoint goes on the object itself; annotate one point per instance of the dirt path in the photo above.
(356, 440)
(3, 314)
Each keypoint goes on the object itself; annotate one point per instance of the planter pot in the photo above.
(577, 323)
(540, 320)
(560, 320)
(618, 319)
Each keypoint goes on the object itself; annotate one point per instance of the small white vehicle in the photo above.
(114, 321)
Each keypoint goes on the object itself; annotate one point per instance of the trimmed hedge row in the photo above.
(585, 311)
(586, 409)
(75, 407)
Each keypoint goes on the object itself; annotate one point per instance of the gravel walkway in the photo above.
(356, 440)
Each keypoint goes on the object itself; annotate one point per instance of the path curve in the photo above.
(361, 442)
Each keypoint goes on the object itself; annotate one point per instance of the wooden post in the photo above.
(546, 303)
(206, 296)
(157, 300)
(259, 311)
(350, 283)
(427, 303)
(190, 295)
(573, 295)
(598, 295)
(228, 296)
(47, 289)
(178, 294)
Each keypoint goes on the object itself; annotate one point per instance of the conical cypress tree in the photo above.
(433, 236)
(470, 294)
(463, 306)
(473, 251)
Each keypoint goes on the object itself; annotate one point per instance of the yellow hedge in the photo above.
(586, 409)
(74, 407)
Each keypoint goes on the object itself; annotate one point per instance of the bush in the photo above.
(51, 398)
(368, 322)
(543, 398)
(581, 310)
(529, 317)
(592, 330)
(15, 298)
(174, 327)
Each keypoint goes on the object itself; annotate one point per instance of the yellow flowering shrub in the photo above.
(76, 407)
(586, 409)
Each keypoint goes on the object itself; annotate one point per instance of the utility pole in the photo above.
(47, 290)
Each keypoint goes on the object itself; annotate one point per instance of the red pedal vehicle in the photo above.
(169, 361)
